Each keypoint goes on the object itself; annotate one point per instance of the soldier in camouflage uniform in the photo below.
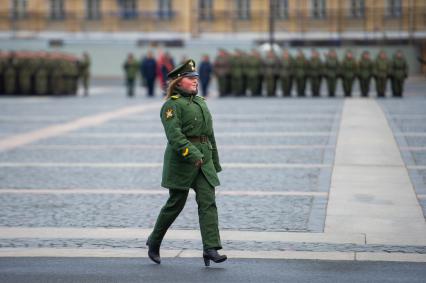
(315, 68)
(131, 67)
(253, 69)
(365, 73)
(399, 72)
(349, 71)
(300, 73)
(331, 72)
(286, 73)
(221, 69)
(381, 73)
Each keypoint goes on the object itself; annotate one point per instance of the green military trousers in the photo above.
(331, 86)
(397, 87)
(207, 213)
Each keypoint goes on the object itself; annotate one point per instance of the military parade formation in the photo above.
(241, 73)
(43, 73)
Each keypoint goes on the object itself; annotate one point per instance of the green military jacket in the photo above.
(222, 66)
(365, 68)
(131, 69)
(286, 67)
(237, 66)
(399, 68)
(331, 67)
(349, 68)
(186, 116)
(315, 67)
(382, 68)
(253, 66)
(300, 67)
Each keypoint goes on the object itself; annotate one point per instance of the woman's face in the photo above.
(189, 84)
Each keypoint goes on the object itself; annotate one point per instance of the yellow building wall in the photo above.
(186, 17)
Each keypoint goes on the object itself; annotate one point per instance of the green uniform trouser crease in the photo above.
(207, 213)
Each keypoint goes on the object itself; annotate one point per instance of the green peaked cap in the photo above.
(187, 69)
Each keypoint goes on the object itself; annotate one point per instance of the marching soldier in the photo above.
(221, 69)
(315, 73)
(130, 67)
(271, 71)
(365, 72)
(253, 67)
(286, 73)
(399, 73)
(84, 72)
(191, 160)
(349, 71)
(381, 73)
(331, 72)
(300, 72)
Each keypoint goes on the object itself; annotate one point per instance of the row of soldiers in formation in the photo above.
(43, 73)
(241, 72)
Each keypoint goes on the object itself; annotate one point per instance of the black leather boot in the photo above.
(212, 254)
(154, 252)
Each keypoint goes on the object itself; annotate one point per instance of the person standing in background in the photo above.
(381, 73)
(399, 72)
(365, 72)
(315, 73)
(331, 72)
(349, 71)
(205, 72)
(286, 73)
(221, 70)
(148, 71)
(84, 72)
(130, 68)
(300, 73)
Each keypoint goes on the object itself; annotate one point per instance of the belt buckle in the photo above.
(203, 139)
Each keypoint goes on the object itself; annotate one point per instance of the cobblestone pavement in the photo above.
(407, 118)
(265, 145)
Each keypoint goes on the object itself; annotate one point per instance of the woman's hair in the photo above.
(171, 86)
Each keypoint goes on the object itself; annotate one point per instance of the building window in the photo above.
(280, 9)
(128, 9)
(205, 9)
(165, 9)
(93, 9)
(394, 8)
(19, 9)
(57, 9)
(318, 9)
(243, 9)
(357, 8)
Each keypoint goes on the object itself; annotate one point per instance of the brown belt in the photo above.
(202, 139)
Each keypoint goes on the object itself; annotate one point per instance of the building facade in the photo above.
(199, 17)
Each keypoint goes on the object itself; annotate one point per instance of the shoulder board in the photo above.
(175, 96)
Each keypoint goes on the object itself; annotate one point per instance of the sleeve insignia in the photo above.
(185, 152)
(169, 113)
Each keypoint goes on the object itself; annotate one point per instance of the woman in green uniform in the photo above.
(190, 161)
